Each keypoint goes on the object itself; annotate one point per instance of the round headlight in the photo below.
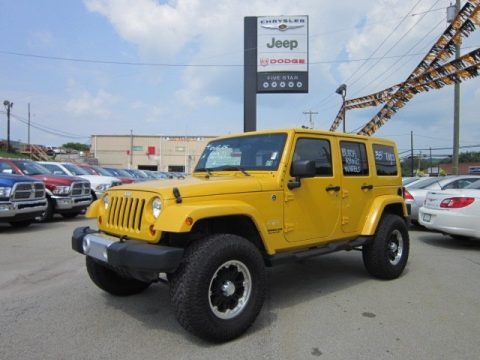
(156, 207)
(105, 202)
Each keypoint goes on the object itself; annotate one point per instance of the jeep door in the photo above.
(357, 186)
(312, 210)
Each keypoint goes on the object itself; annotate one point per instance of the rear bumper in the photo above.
(131, 256)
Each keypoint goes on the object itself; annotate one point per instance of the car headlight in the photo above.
(102, 187)
(106, 201)
(156, 207)
(61, 190)
(5, 192)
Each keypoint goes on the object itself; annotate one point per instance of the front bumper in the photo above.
(22, 209)
(63, 203)
(130, 256)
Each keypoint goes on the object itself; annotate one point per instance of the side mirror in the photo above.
(301, 169)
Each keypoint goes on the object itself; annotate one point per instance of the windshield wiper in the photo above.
(207, 170)
(231, 168)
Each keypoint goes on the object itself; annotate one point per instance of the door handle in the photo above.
(333, 188)
(367, 187)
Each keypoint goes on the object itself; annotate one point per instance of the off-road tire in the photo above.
(387, 255)
(219, 288)
(111, 282)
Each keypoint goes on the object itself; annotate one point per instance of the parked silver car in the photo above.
(416, 191)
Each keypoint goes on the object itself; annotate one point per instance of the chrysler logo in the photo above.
(282, 26)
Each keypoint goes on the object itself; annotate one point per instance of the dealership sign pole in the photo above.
(275, 60)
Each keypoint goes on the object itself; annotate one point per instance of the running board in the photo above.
(283, 258)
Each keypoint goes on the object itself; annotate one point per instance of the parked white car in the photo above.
(99, 183)
(416, 191)
(455, 212)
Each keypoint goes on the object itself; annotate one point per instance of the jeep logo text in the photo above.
(289, 44)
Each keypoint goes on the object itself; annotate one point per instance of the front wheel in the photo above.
(386, 257)
(47, 215)
(111, 282)
(219, 288)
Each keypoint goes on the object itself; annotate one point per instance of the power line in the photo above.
(347, 81)
(46, 129)
(393, 46)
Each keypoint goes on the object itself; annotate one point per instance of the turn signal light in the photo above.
(152, 230)
(407, 195)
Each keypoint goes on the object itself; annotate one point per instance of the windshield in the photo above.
(117, 172)
(31, 168)
(422, 183)
(102, 171)
(255, 152)
(76, 170)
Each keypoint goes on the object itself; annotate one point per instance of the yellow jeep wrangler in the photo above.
(254, 200)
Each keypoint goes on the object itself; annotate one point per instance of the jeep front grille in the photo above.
(80, 188)
(125, 213)
(28, 191)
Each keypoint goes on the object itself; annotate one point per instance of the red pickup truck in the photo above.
(66, 195)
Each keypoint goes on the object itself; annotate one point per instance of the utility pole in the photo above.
(411, 152)
(312, 125)
(29, 146)
(452, 11)
(8, 105)
(131, 149)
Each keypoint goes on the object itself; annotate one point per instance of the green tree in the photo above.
(76, 146)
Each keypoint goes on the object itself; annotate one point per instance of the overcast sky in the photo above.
(176, 68)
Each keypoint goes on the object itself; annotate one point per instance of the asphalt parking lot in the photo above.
(323, 308)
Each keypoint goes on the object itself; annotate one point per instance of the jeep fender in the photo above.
(174, 218)
(92, 210)
(377, 209)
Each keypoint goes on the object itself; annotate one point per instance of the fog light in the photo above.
(86, 245)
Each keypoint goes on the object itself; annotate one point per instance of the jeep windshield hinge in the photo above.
(178, 197)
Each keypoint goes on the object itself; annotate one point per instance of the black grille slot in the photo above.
(125, 213)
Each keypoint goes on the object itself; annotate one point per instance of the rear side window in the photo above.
(354, 158)
(385, 161)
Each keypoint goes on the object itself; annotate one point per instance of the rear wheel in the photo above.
(386, 257)
(219, 288)
(112, 282)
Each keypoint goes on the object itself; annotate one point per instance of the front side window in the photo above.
(385, 161)
(317, 150)
(255, 152)
(354, 158)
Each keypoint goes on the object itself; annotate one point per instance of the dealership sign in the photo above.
(282, 54)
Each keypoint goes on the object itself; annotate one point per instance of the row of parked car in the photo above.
(449, 204)
(35, 191)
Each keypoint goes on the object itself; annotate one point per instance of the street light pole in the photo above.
(342, 90)
(8, 105)
(452, 11)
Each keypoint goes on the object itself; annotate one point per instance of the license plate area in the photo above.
(427, 217)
